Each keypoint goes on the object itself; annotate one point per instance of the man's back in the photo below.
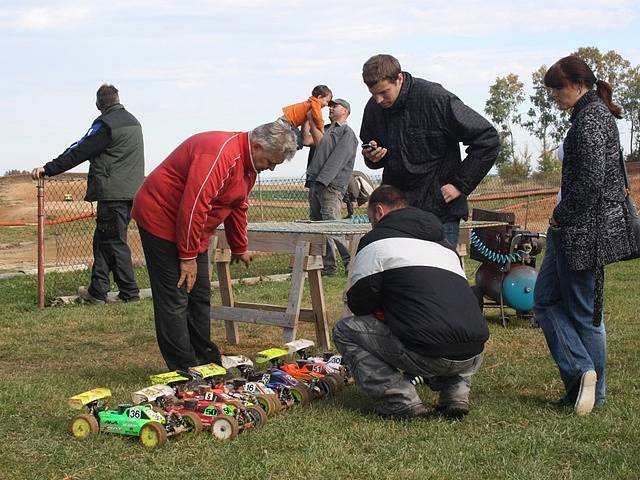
(118, 171)
(403, 269)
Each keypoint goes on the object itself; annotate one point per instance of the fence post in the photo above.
(260, 198)
(40, 189)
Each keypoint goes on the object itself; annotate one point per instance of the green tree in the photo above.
(609, 66)
(630, 101)
(545, 122)
(517, 170)
(505, 96)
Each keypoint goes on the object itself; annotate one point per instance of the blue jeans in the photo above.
(383, 367)
(451, 232)
(563, 307)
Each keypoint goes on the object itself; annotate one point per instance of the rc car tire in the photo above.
(340, 379)
(224, 428)
(153, 435)
(301, 394)
(331, 384)
(83, 425)
(266, 403)
(257, 415)
(193, 421)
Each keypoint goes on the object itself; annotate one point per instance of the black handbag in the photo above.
(631, 215)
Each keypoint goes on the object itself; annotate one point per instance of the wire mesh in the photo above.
(70, 221)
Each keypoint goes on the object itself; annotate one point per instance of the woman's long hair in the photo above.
(573, 69)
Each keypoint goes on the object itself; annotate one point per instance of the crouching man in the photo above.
(414, 313)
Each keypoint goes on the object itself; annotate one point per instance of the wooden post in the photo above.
(295, 294)
(223, 259)
(319, 309)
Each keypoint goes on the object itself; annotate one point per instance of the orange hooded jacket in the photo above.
(296, 114)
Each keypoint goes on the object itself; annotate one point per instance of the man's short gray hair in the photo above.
(276, 138)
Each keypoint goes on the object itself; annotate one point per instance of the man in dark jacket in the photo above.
(415, 128)
(414, 313)
(114, 147)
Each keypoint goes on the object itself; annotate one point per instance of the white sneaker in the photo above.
(587, 394)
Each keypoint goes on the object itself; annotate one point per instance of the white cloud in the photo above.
(45, 18)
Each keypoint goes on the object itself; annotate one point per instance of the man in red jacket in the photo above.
(204, 182)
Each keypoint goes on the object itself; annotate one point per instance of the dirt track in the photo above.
(18, 244)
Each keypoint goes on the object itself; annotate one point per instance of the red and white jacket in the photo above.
(202, 183)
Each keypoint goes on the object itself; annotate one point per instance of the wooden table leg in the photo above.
(319, 309)
(295, 293)
(353, 248)
(223, 259)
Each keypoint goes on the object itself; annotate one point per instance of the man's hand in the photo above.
(241, 257)
(374, 154)
(188, 273)
(37, 172)
(449, 193)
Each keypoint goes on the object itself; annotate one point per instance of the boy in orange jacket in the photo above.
(296, 114)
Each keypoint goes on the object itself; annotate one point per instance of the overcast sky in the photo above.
(184, 67)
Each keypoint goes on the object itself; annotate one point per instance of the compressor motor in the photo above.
(507, 274)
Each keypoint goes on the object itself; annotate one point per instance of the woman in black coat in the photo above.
(587, 231)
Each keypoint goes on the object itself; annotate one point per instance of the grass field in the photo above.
(47, 356)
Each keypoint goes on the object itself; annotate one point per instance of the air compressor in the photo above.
(507, 274)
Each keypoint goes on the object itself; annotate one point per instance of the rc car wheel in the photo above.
(153, 435)
(277, 403)
(224, 428)
(83, 425)
(193, 422)
(301, 394)
(266, 404)
(329, 385)
(339, 376)
(257, 415)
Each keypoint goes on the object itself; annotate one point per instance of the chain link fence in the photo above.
(70, 221)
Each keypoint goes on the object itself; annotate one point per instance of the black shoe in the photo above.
(454, 411)
(411, 413)
(329, 273)
(559, 403)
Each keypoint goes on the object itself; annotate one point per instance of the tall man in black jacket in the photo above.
(414, 313)
(415, 128)
(114, 147)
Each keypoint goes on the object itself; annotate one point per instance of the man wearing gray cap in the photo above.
(328, 175)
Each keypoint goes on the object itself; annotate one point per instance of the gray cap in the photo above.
(340, 101)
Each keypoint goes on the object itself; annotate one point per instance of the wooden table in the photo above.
(306, 241)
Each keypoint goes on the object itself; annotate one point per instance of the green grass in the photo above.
(47, 356)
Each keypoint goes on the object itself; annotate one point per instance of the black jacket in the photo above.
(590, 213)
(422, 131)
(593, 227)
(404, 272)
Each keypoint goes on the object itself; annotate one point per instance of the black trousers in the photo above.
(183, 324)
(111, 251)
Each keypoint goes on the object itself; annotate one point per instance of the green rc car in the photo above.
(152, 427)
